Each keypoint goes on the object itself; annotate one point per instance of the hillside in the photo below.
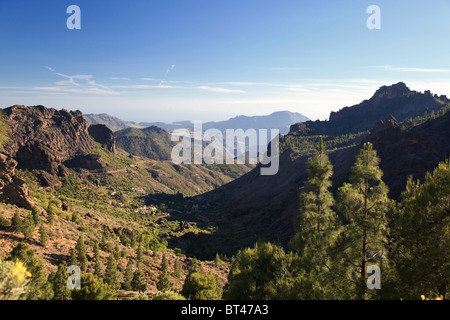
(77, 184)
(151, 142)
(264, 207)
(397, 100)
(114, 123)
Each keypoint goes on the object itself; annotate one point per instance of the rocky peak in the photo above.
(390, 92)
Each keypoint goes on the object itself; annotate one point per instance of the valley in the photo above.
(121, 191)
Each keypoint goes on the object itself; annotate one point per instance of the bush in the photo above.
(4, 223)
(13, 280)
(199, 286)
(140, 296)
(168, 295)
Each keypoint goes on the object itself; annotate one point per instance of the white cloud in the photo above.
(219, 90)
(170, 69)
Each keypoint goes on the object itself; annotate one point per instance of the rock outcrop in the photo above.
(13, 190)
(42, 138)
(397, 100)
(91, 161)
(103, 135)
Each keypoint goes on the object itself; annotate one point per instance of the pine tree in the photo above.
(43, 236)
(16, 223)
(105, 238)
(97, 260)
(93, 288)
(217, 261)
(51, 211)
(364, 204)
(58, 280)
(112, 276)
(164, 282)
(139, 283)
(317, 226)
(72, 258)
(128, 276)
(199, 286)
(139, 256)
(420, 239)
(177, 269)
(317, 223)
(28, 227)
(81, 254)
(116, 252)
(36, 217)
(194, 266)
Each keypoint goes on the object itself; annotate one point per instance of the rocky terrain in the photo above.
(13, 190)
(397, 100)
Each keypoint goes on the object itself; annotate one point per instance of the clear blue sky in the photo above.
(166, 60)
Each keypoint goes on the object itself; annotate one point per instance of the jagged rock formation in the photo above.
(103, 135)
(412, 153)
(42, 138)
(13, 189)
(396, 100)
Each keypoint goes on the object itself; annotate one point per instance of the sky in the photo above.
(173, 60)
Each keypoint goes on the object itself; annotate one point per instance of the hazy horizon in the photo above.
(169, 61)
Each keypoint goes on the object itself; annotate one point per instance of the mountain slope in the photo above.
(397, 100)
(281, 120)
(111, 122)
(151, 142)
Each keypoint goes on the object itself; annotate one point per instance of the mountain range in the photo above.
(59, 150)
(281, 120)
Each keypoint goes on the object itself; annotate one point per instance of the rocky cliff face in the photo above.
(397, 100)
(412, 153)
(13, 189)
(48, 141)
(103, 135)
(42, 138)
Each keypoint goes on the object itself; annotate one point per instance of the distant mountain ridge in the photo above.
(281, 120)
(114, 123)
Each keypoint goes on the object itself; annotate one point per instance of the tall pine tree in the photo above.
(364, 204)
